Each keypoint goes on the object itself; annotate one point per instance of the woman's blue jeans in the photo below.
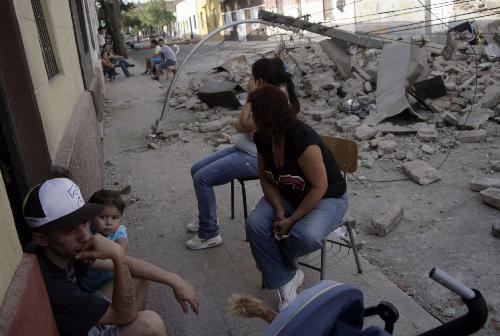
(217, 169)
(277, 259)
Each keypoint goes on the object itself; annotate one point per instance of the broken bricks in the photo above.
(480, 183)
(491, 196)
(386, 220)
(472, 136)
(420, 172)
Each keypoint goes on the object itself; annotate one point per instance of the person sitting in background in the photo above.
(107, 67)
(118, 60)
(304, 192)
(154, 59)
(169, 59)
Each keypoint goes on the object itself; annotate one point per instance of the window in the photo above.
(194, 20)
(43, 35)
(201, 20)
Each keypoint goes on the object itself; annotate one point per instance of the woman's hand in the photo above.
(283, 226)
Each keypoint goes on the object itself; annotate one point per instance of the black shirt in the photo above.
(75, 311)
(289, 178)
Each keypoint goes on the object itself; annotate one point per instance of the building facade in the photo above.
(51, 85)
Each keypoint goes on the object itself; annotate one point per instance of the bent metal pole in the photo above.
(205, 39)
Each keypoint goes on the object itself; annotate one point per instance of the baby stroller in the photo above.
(336, 309)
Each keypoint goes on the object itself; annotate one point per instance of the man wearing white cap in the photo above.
(58, 217)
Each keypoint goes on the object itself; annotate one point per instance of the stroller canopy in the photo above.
(329, 308)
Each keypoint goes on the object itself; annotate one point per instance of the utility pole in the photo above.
(363, 40)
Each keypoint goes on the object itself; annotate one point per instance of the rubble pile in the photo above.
(445, 99)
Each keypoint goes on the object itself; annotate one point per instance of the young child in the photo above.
(108, 225)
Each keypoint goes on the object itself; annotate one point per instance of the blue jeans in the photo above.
(217, 169)
(277, 259)
(124, 64)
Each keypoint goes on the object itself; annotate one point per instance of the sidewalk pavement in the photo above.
(164, 201)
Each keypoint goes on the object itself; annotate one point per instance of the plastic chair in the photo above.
(346, 155)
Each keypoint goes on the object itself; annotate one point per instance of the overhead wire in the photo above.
(438, 18)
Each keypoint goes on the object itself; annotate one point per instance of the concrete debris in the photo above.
(451, 118)
(473, 119)
(430, 88)
(195, 83)
(387, 127)
(421, 172)
(491, 196)
(480, 183)
(400, 64)
(215, 125)
(385, 221)
(365, 132)
(495, 229)
(495, 165)
(386, 147)
(337, 51)
(491, 97)
(427, 149)
(153, 145)
(348, 123)
(234, 65)
(472, 136)
(427, 133)
(215, 93)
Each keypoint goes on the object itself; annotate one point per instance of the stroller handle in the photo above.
(467, 324)
(451, 283)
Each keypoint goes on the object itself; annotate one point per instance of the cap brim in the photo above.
(80, 216)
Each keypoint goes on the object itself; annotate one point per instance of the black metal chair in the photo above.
(242, 181)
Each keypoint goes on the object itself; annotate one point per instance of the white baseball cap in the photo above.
(57, 203)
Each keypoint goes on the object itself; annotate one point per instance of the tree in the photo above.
(131, 21)
(110, 12)
(155, 15)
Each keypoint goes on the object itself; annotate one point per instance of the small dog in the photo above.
(248, 306)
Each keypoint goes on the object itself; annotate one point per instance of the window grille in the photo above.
(43, 35)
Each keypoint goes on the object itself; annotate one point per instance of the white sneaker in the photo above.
(195, 225)
(196, 243)
(288, 291)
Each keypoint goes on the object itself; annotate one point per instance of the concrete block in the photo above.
(491, 97)
(495, 165)
(386, 146)
(387, 127)
(491, 196)
(428, 149)
(348, 123)
(215, 125)
(427, 133)
(386, 220)
(473, 119)
(451, 118)
(472, 136)
(480, 183)
(421, 172)
(365, 132)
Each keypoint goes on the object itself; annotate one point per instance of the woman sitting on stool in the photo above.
(304, 192)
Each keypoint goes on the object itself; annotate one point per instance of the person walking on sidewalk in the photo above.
(236, 161)
(304, 192)
(58, 218)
